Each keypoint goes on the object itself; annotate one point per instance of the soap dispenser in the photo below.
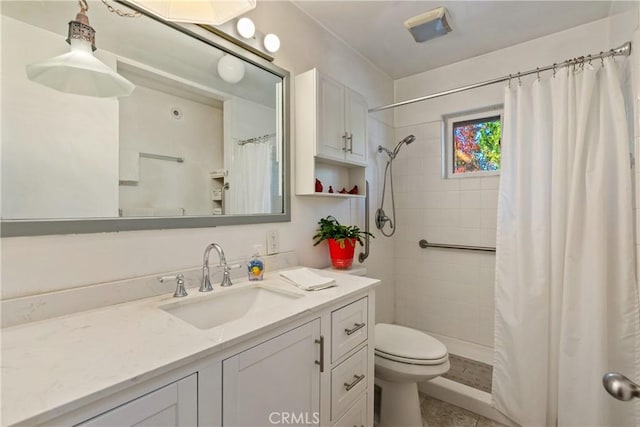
(255, 266)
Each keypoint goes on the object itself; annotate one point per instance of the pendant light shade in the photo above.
(213, 12)
(78, 71)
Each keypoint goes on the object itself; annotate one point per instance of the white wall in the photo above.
(37, 264)
(444, 291)
(53, 167)
(148, 126)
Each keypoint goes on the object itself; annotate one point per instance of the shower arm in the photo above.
(364, 255)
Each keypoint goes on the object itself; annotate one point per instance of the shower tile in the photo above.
(471, 184)
(489, 218)
(470, 199)
(489, 199)
(433, 130)
(470, 372)
(488, 238)
(470, 218)
(432, 199)
(433, 147)
(490, 182)
(451, 200)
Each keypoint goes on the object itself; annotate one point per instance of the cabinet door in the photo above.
(331, 141)
(356, 127)
(173, 405)
(276, 382)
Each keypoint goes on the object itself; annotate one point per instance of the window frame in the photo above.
(447, 138)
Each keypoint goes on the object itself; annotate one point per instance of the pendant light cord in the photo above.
(118, 11)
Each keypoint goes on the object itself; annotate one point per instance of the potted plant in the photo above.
(342, 240)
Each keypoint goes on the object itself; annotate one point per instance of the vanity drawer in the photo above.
(348, 328)
(356, 416)
(348, 383)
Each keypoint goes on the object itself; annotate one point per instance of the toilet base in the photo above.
(399, 404)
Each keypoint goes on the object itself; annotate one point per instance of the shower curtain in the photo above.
(250, 178)
(566, 295)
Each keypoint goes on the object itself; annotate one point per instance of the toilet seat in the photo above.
(406, 345)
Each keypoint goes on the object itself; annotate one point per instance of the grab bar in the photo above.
(424, 244)
(162, 157)
(365, 254)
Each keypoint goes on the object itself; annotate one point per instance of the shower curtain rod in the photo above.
(624, 50)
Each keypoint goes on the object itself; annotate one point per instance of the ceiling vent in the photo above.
(428, 25)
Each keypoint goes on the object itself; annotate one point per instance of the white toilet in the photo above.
(404, 357)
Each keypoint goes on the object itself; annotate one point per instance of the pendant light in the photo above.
(79, 71)
(212, 12)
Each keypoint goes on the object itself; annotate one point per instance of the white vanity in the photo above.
(275, 355)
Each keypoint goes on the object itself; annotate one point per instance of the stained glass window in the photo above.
(476, 145)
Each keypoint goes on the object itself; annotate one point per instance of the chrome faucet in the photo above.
(205, 286)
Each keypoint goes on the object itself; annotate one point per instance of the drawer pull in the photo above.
(356, 327)
(321, 361)
(358, 378)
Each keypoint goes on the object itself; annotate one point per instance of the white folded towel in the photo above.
(307, 280)
(129, 167)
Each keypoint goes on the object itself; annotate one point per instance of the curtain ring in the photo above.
(589, 59)
(602, 58)
(538, 72)
(509, 81)
(554, 70)
(519, 81)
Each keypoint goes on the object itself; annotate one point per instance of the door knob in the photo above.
(620, 387)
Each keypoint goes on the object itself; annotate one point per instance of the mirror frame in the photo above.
(210, 36)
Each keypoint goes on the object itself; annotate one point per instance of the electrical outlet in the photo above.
(273, 242)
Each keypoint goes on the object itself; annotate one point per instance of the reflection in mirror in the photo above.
(186, 142)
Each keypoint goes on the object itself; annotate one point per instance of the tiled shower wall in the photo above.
(448, 292)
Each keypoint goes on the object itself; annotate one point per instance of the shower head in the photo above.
(392, 154)
(407, 140)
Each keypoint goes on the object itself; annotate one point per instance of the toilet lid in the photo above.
(408, 345)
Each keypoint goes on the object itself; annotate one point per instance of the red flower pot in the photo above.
(342, 252)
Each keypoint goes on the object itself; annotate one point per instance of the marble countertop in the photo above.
(54, 366)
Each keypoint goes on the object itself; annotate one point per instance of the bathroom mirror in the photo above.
(188, 148)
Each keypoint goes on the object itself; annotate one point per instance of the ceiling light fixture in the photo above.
(212, 12)
(78, 71)
(271, 43)
(246, 28)
(428, 25)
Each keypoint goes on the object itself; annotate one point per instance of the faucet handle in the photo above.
(180, 291)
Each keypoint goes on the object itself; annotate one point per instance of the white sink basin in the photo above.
(228, 305)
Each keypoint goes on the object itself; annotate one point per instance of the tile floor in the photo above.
(470, 372)
(436, 413)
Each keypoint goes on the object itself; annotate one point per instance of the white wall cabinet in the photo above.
(175, 404)
(331, 134)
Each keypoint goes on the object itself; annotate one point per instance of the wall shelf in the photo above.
(335, 195)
